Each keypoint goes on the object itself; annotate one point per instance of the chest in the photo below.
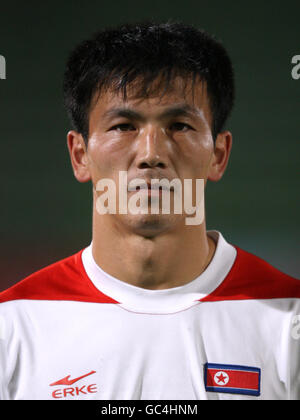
(106, 352)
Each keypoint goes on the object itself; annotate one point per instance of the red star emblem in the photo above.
(221, 378)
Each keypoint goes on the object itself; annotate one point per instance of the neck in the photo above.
(167, 260)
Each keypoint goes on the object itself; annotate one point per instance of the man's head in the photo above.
(150, 100)
(115, 58)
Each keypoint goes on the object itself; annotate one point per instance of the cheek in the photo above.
(196, 152)
(107, 155)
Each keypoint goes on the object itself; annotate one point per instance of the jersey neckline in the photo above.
(164, 301)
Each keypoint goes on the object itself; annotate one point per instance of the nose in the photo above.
(152, 149)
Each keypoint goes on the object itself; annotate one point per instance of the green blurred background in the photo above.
(46, 213)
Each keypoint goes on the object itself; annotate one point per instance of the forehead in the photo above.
(180, 93)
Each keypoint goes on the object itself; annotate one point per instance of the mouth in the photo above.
(150, 188)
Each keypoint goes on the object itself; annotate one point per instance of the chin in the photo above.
(151, 225)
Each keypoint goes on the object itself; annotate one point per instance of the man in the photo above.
(155, 307)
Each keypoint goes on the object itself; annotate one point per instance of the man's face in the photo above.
(154, 138)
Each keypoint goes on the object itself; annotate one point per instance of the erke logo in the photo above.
(296, 69)
(2, 67)
(73, 391)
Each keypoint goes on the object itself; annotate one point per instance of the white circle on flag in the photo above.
(221, 378)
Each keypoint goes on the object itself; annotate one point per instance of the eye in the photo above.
(179, 126)
(123, 127)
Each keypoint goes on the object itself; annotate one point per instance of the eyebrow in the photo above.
(184, 110)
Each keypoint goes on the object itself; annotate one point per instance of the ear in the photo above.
(220, 156)
(78, 155)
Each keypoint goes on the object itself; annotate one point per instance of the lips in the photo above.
(149, 187)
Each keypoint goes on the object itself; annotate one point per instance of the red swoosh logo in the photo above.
(67, 381)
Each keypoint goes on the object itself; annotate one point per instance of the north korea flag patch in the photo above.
(233, 379)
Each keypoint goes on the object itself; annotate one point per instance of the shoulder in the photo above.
(251, 277)
(65, 279)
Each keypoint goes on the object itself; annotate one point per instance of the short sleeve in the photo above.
(3, 358)
(294, 354)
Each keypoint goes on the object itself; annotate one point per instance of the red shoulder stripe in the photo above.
(253, 278)
(63, 280)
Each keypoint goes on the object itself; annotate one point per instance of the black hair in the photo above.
(115, 57)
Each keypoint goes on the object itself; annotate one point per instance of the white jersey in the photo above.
(71, 331)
